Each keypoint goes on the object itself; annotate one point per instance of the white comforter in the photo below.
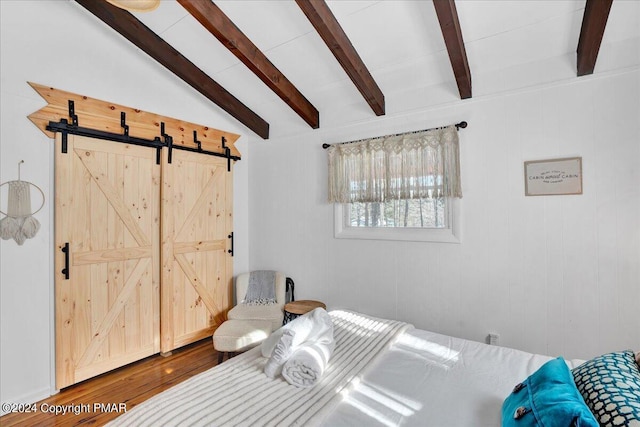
(432, 380)
(382, 373)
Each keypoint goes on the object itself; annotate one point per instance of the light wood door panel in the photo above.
(108, 210)
(197, 271)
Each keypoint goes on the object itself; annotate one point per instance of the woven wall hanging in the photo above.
(19, 223)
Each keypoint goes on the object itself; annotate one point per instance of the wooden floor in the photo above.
(101, 399)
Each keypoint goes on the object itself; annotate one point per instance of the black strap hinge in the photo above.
(168, 141)
(72, 113)
(74, 122)
(65, 139)
(227, 153)
(123, 123)
(158, 150)
(195, 140)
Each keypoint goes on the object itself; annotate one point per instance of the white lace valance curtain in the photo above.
(416, 165)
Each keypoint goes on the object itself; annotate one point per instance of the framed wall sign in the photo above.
(553, 177)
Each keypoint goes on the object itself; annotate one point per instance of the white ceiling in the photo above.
(510, 45)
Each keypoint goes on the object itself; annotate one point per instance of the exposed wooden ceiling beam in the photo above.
(218, 24)
(450, 25)
(145, 39)
(335, 38)
(594, 21)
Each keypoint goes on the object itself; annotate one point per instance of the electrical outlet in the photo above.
(493, 339)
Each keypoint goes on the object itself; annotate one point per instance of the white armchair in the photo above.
(249, 325)
(273, 313)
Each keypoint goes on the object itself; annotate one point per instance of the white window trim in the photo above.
(409, 234)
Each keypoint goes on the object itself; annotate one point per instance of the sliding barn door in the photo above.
(196, 264)
(107, 215)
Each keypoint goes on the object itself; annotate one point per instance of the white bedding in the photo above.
(382, 373)
(432, 380)
(238, 393)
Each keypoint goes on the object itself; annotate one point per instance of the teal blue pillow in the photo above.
(548, 398)
(610, 384)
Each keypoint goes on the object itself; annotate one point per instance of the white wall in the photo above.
(72, 52)
(558, 275)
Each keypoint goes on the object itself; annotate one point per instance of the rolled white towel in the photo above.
(314, 326)
(279, 355)
(307, 364)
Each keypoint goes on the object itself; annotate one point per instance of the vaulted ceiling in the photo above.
(271, 63)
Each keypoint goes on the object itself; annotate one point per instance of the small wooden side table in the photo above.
(294, 309)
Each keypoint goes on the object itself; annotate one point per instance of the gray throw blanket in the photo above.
(262, 288)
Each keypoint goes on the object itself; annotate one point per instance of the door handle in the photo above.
(230, 236)
(65, 270)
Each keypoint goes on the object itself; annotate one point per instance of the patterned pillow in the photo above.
(610, 384)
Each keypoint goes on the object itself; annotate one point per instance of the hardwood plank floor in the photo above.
(101, 399)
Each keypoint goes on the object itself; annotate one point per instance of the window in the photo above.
(412, 213)
(440, 221)
(404, 187)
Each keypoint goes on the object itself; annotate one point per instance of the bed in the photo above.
(381, 373)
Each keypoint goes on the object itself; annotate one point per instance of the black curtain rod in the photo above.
(462, 125)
